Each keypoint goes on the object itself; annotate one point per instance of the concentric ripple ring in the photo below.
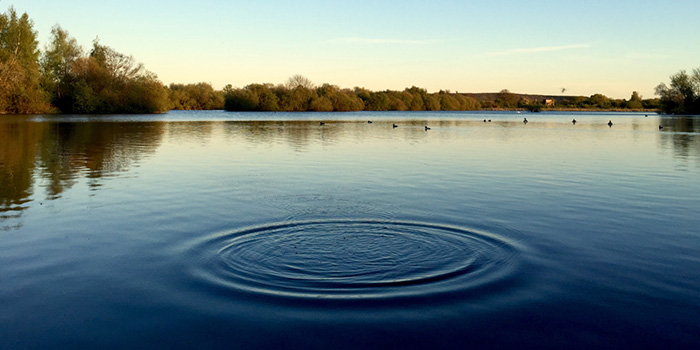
(355, 259)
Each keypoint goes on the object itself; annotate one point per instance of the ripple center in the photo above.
(355, 258)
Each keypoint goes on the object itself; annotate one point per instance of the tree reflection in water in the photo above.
(44, 158)
(57, 154)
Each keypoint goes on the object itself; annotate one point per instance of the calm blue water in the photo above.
(269, 230)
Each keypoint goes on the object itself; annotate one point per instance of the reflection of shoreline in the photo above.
(583, 110)
(58, 154)
(18, 152)
(682, 135)
(40, 158)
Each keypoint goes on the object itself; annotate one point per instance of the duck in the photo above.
(573, 121)
(427, 128)
(484, 120)
(321, 123)
(369, 122)
(489, 120)
(525, 120)
(610, 123)
(394, 126)
(660, 127)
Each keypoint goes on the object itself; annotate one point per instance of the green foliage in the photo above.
(635, 101)
(468, 103)
(240, 100)
(254, 97)
(448, 102)
(327, 97)
(683, 95)
(299, 95)
(105, 81)
(346, 101)
(378, 101)
(20, 90)
(507, 99)
(200, 96)
(56, 62)
(599, 101)
(321, 104)
(652, 103)
(534, 107)
(299, 98)
(432, 103)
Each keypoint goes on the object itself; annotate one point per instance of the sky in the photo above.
(538, 47)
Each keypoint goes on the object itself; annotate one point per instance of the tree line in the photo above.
(298, 94)
(66, 78)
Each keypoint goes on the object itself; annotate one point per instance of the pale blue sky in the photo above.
(609, 47)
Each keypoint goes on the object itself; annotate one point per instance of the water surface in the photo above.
(262, 230)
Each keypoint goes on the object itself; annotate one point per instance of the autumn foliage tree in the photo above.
(103, 81)
(200, 96)
(683, 95)
(106, 81)
(20, 89)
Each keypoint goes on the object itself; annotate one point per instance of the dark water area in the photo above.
(270, 230)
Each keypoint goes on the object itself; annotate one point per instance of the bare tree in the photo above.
(299, 80)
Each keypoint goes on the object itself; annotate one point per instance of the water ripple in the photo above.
(342, 259)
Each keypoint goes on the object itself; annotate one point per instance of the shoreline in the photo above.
(621, 110)
(583, 110)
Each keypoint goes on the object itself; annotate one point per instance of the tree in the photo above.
(269, 101)
(683, 96)
(20, 90)
(432, 103)
(56, 63)
(200, 96)
(467, 103)
(448, 102)
(414, 98)
(635, 101)
(599, 101)
(297, 99)
(378, 101)
(346, 100)
(240, 99)
(507, 99)
(105, 81)
(118, 66)
(321, 104)
(299, 80)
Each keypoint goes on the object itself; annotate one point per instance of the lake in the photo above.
(270, 230)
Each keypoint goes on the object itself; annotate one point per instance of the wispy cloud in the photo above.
(379, 41)
(531, 50)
